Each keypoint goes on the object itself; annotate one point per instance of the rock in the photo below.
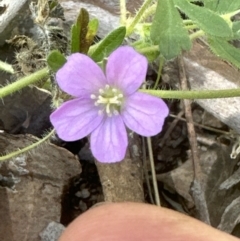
(107, 12)
(107, 21)
(52, 232)
(205, 71)
(216, 167)
(26, 111)
(12, 13)
(207, 77)
(32, 187)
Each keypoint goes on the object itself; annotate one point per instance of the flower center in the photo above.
(109, 100)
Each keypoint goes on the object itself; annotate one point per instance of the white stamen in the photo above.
(101, 91)
(108, 108)
(113, 100)
(102, 100)
(120, 96)
(119, 103)
(107, 87)
(109, 100)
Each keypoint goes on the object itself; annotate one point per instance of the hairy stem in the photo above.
(6, 67)
(23, 82)
(27, 148)
(138, 17)
(194, 94)
(123, 12)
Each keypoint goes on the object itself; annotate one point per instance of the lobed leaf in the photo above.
(225, 50)
(207, 20)
(167, 30)
(222, 6)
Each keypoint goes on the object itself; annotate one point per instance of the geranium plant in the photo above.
(105, 104)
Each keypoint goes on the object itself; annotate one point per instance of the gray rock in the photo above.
(52, 232)
(107, 21)
(32, 186)
(11, 15)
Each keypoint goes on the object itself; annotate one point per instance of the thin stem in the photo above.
(155, 185)
(138, 17)
(123, 12)
(196, 188)
(27, 148)
(190, 27)
(194, 94)
(196, 34)
(202, 126)
(161, 63)
(145, 169)
(187, 21)
(6, 67)
(23, 82)
(149, 12)
(149, 49)
(229, 15)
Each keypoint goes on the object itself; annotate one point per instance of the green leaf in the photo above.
(56, 60)
(225, 50)
(208, 21)
(167, 30)
(222, 6)
(108, 44)
(79, 31)
(91, 32)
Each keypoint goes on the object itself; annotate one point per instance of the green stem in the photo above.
(23, 82)
(229, 15)
(149, 12)
(123, 12)
(25, 149)
(193, 94)
(6, 67)
(137, 18)
(161, 63)
(187, 21)
(148, 49)
(196, 34)
(189, 27)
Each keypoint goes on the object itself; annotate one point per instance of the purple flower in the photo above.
(106, 103)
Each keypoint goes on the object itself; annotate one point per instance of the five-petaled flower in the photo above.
(106, 103)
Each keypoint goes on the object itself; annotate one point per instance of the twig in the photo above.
(171, 128)
(203, 126)
(154, 179)
(197, 190)
(145, 170)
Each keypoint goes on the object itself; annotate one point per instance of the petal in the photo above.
(109, 140)
(80, 76)
(75, 119)
(126, 69)
(144, 114)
